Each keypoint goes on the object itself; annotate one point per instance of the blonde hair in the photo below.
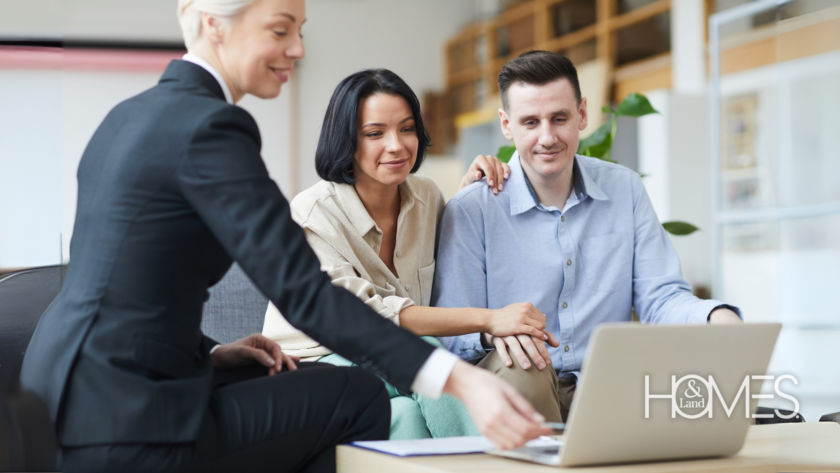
(189, 14)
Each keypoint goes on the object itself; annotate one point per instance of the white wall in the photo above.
(345, 36)
(48, 116)
(30, 168)
(112, 20)
(54, 114)
(653, 157)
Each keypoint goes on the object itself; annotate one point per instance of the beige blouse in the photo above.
(347, 242)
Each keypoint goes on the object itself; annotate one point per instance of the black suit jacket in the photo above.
(172, 189)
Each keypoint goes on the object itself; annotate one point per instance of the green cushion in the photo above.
(407, 421)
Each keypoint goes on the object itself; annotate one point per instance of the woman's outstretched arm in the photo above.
(515, 319)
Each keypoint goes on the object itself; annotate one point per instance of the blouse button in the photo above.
(408, 287)
(398, 254)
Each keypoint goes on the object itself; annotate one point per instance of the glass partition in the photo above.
(775, 68)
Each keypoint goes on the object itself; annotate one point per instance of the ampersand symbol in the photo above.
(693, 389)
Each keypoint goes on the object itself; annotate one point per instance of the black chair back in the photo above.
(24, 296)
(27, 437)
(831, 418)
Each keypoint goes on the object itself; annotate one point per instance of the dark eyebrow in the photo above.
(564, 111)
(382, 124)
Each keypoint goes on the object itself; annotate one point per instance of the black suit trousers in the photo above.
(288, 422)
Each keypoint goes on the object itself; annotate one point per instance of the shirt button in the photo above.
(565, 305)
(567, 348)
(398, 254)
(408, 287)
(562, 218)
(568, 262)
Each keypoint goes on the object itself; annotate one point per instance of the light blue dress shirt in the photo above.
(588, 264)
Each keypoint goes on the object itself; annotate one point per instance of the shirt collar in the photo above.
(207, 67)
(523, 197)
(358, 214)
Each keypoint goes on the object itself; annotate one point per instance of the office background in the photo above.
(767, 199)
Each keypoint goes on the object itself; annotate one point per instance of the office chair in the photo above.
(27, 436)
(24, 296)
(776, 419)
(831, 418)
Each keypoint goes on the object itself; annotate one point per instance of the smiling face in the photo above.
(544, 122)
(387, 141)
(259, 50)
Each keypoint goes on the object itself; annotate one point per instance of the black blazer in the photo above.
(172, 189)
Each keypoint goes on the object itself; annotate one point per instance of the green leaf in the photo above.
(505, 153)
(599, 143)
(679, 228)
(607, 110)
(635, 105)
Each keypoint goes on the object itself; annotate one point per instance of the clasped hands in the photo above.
(521, 328)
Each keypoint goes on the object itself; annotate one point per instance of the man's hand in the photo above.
(495, 170)
(516, 319)
(500, 413)
(521, 344)
(252, 348)
(723, 315)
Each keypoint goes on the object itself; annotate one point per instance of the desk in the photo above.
(811, 447)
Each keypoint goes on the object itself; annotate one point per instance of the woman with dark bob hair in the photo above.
(373, 222)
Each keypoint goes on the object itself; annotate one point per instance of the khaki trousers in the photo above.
(550, 396)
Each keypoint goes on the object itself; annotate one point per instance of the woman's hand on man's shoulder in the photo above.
(489, 166)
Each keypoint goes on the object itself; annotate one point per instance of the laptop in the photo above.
(662, 392)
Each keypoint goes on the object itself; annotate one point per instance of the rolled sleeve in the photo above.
(660, 294)
(343, 275)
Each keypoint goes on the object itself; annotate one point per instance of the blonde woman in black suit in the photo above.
(172, 190)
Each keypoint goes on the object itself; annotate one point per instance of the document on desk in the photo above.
(421, 447)
(441, 446)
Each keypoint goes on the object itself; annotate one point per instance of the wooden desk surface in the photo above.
(805, 447)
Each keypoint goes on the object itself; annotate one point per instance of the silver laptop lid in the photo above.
(608, 422)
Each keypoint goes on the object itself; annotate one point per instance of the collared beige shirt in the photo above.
(347, 242)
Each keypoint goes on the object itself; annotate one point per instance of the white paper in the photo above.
(438, 446)
(441, 446)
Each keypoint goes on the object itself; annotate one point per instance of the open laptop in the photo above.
(608, 422)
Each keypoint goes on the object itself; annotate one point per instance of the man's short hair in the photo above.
(537, 68)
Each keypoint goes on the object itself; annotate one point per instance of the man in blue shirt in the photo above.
(575, 236)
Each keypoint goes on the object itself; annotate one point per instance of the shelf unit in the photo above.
(583, 30)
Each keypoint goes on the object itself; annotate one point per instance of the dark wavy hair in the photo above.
(340, 135)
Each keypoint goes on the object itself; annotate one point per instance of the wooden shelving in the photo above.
(583, 30)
